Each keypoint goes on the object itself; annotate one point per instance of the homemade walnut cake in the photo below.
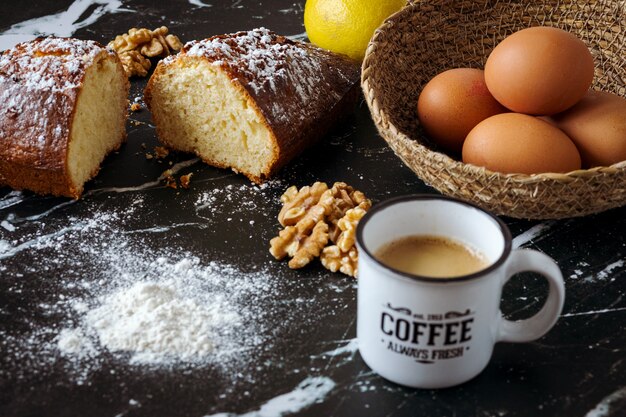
(249, 101)
(64, 108)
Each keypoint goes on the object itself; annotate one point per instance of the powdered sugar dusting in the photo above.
(266, 64)
(39, 83)
(258, 53)
(54, 64)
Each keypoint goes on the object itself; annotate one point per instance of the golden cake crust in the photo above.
(40, 82)
(300, 90)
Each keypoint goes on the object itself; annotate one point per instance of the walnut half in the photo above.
(297, 202)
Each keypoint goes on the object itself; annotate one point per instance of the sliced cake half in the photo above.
(250, 101)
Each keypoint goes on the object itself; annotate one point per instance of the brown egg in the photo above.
(539, 70)
(597, 125)
(452, 103)
(518, 143)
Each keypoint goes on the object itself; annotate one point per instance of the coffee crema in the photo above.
(431, 256)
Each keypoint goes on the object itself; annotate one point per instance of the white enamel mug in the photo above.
(429, 332)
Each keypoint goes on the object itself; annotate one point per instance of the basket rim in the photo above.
(386, 126)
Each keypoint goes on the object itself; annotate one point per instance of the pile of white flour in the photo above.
(168, 311)
(154, 321)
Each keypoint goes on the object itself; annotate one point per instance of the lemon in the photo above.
(346, 26)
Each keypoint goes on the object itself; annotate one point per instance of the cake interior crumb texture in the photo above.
(202, 111)
(96, 128)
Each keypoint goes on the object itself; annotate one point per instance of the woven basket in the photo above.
(430, 36)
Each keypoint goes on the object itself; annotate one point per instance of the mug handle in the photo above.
(527, 260)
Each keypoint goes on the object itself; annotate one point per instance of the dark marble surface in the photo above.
(53, 250)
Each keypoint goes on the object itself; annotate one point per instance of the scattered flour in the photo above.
(110, 296)
(218, 198)
(164, 310)
(74, 342)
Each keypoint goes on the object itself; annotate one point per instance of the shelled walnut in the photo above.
(343, 255)
(345, 198)
(334, 260)
(304, 240)
(301, 246)
(135, 47)
(315, 216)
(297, 202)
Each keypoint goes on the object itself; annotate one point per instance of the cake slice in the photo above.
(250, 101)
(64, 108)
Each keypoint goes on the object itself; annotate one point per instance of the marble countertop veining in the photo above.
(297, 353)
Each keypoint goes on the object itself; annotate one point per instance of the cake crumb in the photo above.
(169, 179)
(135, 107)
(161, 152)
(171, 183)
(185, 179)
